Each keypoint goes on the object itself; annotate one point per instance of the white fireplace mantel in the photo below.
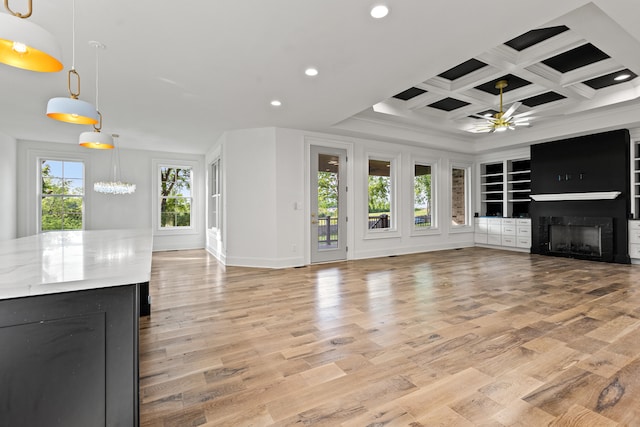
(560, 197)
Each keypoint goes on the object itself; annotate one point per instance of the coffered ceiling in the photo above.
(175, 76)
(581, 62)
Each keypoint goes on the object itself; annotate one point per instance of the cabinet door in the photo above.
(56, 371)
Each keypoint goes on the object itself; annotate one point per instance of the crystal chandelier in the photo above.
(116, 185)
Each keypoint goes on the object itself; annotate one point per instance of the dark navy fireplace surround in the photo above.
(593, 163)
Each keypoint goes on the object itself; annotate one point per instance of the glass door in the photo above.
(328, 219)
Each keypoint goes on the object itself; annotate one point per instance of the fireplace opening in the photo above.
(576, 240)
(577, 237)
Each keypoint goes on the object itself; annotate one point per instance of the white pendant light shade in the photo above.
(26, 45)
(72, 110)
(96, 139)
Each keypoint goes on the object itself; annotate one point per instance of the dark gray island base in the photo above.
(70, 359)
(70, 303)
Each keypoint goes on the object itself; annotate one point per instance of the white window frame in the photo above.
(435, 202)
(394, 226)
(58, 158)
(215, 195)
(156, 197)
(467, 195)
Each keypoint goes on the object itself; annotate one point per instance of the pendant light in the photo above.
(115, 186)
(72, 109)
(26, 45)
(96, 139)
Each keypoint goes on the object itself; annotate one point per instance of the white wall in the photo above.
(266, 198)
(250, 198)
(107, 211)
(8, 187)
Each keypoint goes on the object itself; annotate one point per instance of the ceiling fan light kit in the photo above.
(26, 45)
(503, 120)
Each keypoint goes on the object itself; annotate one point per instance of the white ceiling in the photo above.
(176, 75)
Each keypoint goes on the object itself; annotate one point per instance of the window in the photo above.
(423, 200)
(61, 195)
(175, 197)
(460, 196)
(214, 192)
(380, 195)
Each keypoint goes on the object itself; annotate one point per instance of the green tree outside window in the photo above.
(175, 196)
(62, 199)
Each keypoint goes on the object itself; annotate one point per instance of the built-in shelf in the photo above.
(505, 186)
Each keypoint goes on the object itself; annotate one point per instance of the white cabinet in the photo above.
(523, 233)
(504, 232)
(634, 239)
(495, 231)
(481, 230)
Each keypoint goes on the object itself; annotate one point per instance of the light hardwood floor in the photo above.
(470, 337)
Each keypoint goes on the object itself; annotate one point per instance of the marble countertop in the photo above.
(68, 261)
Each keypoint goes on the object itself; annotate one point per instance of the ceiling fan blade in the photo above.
(522, 119)
(478, 116)
(511, 110)
(523, 114)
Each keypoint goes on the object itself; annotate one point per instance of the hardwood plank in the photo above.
(451, 338)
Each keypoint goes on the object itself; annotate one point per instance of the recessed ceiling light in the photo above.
(622, 77)
(379, 11)
(276, 103)
(311, 72)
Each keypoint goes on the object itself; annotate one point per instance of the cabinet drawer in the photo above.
(494, 239)
(634, 225)
(524, 231)
(634, 236)
(509, 230)
(634, 251)
(508, 241)
(524, 222)
(523, 242)
(494, 221)
(480, 238)
(508, 221)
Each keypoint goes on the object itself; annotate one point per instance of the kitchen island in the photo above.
(69, 308)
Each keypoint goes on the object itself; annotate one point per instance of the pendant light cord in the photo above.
(73, 36)
(97, 77)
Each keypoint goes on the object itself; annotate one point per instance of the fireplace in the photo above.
(577, 237)
(581, 197)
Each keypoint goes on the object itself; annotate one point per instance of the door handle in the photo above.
(314, 222)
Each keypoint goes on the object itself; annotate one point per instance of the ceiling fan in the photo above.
(503, 120)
